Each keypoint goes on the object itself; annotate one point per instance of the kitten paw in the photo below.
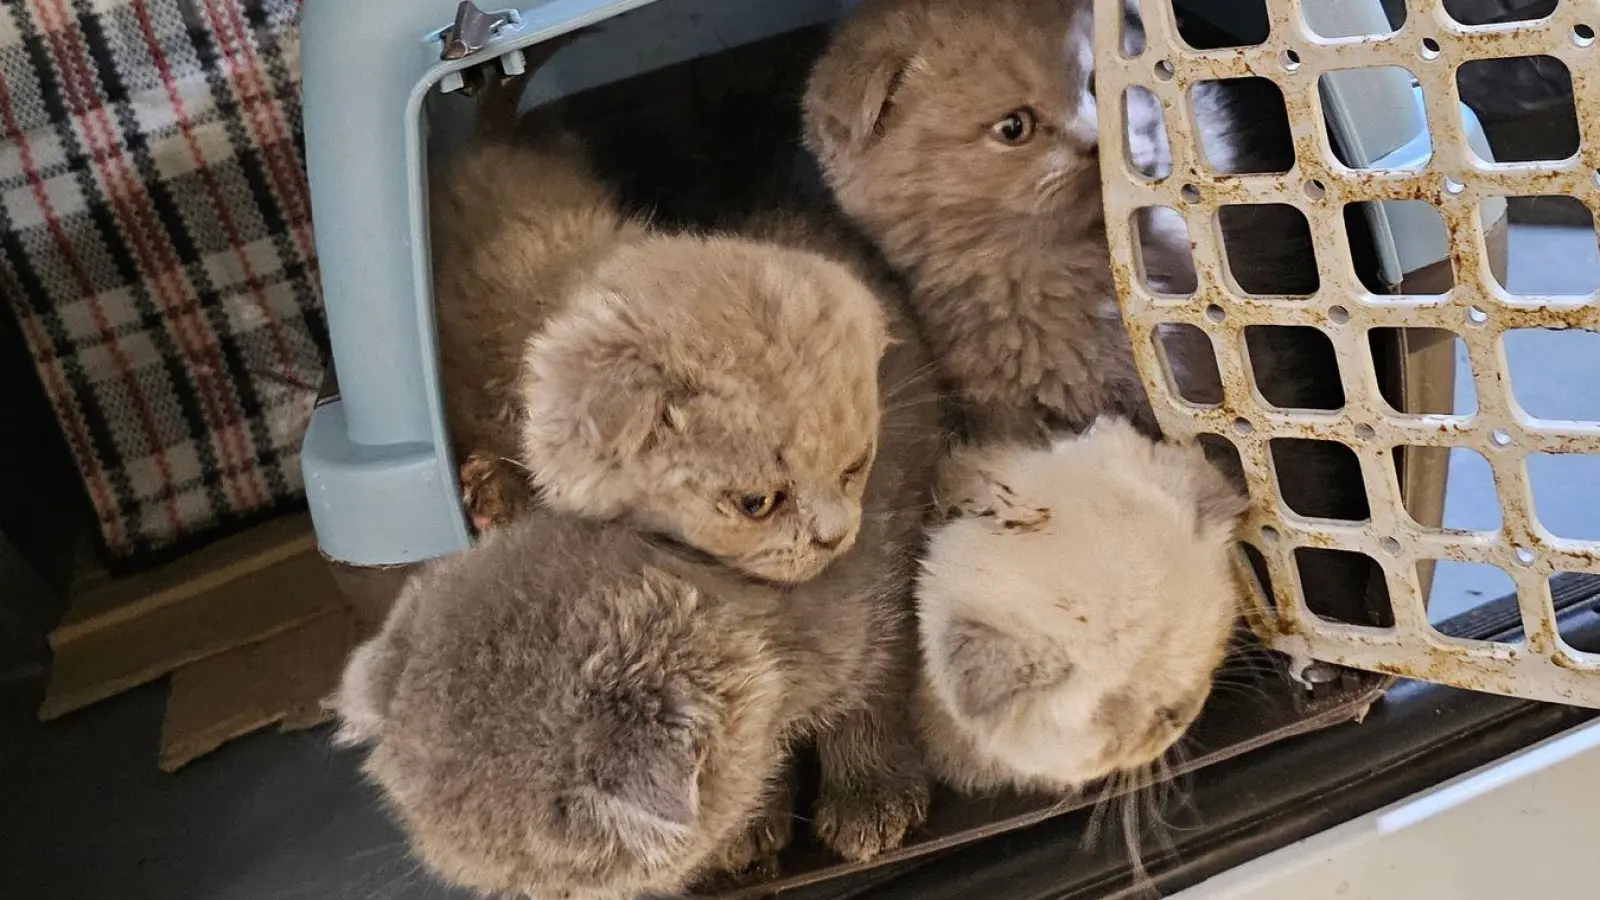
(860, 822)
(490, 492)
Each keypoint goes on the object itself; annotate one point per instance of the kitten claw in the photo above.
(860, 825)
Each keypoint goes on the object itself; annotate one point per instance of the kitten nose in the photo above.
(827, 541)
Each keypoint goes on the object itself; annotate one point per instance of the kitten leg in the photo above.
(492, 491)
(752, 856)
(874, 782)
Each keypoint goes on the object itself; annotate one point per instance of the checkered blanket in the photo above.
(155, 243)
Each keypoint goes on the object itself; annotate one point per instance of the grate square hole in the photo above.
(1476, 12)
(1514, 87)
(1552, 259)
(1268, 249)
(1578, 631)
(1566, 494)
(1241, 23)
(1166, 256)
(1317, 19)
(1426, 268)
(1258, 143)
(1405, 119)
(1342, 586)
(1294, 367)
(1145, 134)
(1470, 500)
(1460, 587)
(1426, 399)
(1319, 479)
(1190, 363)
(1553, 373)
(1263, 575)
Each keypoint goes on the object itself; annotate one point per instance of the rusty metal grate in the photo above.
(1477, 309)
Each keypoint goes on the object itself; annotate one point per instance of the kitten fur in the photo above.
(1073, 608)
(657, 378)
(844, 643)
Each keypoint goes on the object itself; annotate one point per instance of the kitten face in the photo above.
(927, 114)
(1083, 641)
(719, 391)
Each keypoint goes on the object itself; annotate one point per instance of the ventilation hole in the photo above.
(1190, 363)
(1165, 255)
(1145, 136)
(1500, 437)
(1268, 249)
(1577, 631)
(1427, 391)
(1566, 494)
(1263, 575)
(1290, 60)
(1216, 314)
(1382, 81)
(1583, 35)
(1470, 501)
(1269, 534)
(1452, 186)
(1476, 12)
(1243, 425)
(1476, 315)
(1164, 70)
(1341, 586)
(1319, 479)
(1554, 373)
(1552, 259)
(1318, 20)
(1424, 268)
(1189, 193)
(1338, 315)
(1498, 89)
(1294, 367)
(1222, 453)
(1263, 144)
(1460, 587)
(1315, 189)
(1430, 49)
(1365, 432)
(1522, 556)
(1245, 24)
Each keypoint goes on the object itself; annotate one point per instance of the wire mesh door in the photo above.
(1456, 182)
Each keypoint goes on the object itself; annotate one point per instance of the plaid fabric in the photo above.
(155, 243)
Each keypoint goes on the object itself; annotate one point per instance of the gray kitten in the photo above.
(578, 710)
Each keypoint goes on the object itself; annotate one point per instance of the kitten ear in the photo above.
(367, 686)
(641, 775)
(852, 89)
(989, 668)
(626, 421)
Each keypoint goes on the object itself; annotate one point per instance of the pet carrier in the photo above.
(382, 484)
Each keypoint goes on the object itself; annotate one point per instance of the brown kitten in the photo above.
(962, 139)
(719, 390)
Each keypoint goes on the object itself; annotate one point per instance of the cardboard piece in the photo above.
(282, 679)
(125, 632)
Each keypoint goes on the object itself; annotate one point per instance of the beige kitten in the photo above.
(1073, 609)
(719, 390)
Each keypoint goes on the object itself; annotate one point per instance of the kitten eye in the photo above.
(759, 506)
(1016, 128)
(858, 466)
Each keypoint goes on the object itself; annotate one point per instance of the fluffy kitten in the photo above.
(570, 711)
(1073, 609)
(719, 390)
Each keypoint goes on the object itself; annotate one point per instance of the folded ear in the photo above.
(852, 89)
(370, 675)
(640, 775)
(989, 669)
